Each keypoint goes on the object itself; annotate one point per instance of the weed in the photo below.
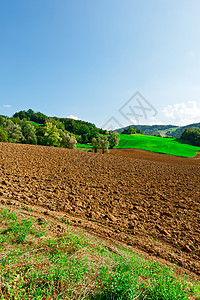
(116, 285)
(17, 232)
(7, 215)
(57, 269)
(27, 209)
(40, 234)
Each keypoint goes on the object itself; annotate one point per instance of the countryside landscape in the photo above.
(99, 150)
(80, 224)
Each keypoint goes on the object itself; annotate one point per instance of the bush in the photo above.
(68, 140)
(192, 136)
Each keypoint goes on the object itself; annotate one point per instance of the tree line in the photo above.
(83, 131)
(132, 130)
(14, 130)
(38, 129)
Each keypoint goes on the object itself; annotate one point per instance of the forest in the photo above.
(31, 127)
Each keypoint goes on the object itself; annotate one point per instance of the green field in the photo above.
(169, 146)
(84, 146)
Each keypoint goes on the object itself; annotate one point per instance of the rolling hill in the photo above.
(164, 130)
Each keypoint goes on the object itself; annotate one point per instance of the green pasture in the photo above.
(171, 146)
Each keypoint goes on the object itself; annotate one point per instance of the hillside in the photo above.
(46, 258)
(164, 130)
(169, 146)
(29, 127)
(83, 130)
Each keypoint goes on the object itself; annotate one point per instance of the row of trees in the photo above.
(104, 142)
(53, 132)
(132, 130)
(15, 130)
(83, 131)
(192, 136)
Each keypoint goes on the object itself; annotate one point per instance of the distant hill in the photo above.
(164, 130)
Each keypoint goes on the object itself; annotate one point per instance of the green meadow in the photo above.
(170, 146)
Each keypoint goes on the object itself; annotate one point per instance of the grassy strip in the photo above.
(84, 146)
(35, 265)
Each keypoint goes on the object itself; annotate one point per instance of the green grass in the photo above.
(169, 146)
(84, 146)
(78, 266)
(5, 214)
(16, 231)
(34, 123)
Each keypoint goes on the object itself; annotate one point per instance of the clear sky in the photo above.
(86, 58)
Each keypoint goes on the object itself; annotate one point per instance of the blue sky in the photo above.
(86, 58)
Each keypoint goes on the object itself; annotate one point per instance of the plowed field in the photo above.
(146, 200)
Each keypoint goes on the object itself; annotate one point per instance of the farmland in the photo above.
(170, 146)
(147, 201)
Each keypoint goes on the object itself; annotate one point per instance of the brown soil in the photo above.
(146, 200)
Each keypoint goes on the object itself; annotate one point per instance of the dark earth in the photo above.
(148, 201)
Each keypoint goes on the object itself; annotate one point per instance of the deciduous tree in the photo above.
(52, 135)
(29, 133)
(113, 139)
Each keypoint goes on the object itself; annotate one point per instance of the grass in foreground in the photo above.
(36, 265)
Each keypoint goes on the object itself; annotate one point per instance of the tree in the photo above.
(2, 119)
(52, 135)
(3, 135)
(29, 133)
(40, 132)
(96, 144)
(104, 143)
(132, 130)
(113, 139)
(14, 132)
(68, 140)
(192, 136)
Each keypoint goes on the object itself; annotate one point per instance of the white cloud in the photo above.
(7, 105)
(183, 113)
(73, 117)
